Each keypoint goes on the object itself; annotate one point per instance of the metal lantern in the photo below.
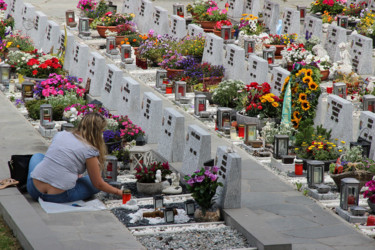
(110, 170)
(199, 104)
(342, 21)
(111, 7)
(280, 146)
(315, 173)
(27, 90)
(226, 32)
(368, 103)
(302, 12)
(339, 88)
(5, 73)
(223, 118)
(140, 140)
(349, 193)
(168, 215)
(126, 51)
(70, 18)
(84, 27)
(269, 55)
(158, 201)
(179, 10)
(179, 90)
(250, 132)
(139, 156)
(189, 207)
(160, 75)
(365, 144)
(111, 45)
(45, 114)
(67, 127)
(249, 46)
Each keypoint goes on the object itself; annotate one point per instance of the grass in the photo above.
(7, 239)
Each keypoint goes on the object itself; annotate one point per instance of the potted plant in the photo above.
(110, 21)
(334, 7)
(294, 53)
(211, 16)
(203, 184)
(20, 42)
(228, 93)
(175, 63)
(86, 6)
(146, 176)
(279, 42)
(98, 11)
(192, 46)
(370, 194)
(324, 65)
(125, 30)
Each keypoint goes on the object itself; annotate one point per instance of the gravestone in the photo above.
(95, 71)
(151, 116)
(252, 7)
(160, 21)
(339, 118)
(79, 62)
(178, 27)
(68, 47)
(142, 17)
(229, 174)
(335, 36)
(129, 103)
(271, 13)
(278, 77)
(24, 17)
(195, 30)
(213, 49)
(171, 141)
(197, 149)
(291, 21)
(14, 8)
(312, 26)
(235, 8)
(367, 129)
(234, 62)
(256, 69)
(51, 37)
(130, 6)
(112, 87)
(37, 33)
(361, 52)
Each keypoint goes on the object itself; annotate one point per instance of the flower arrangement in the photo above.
(370, 192)
(176, 60)
(334, 7)
(280, 39)
(203, 184)
(271, 129)
(146, 174)
(135, 40)
(209, 11)
(249, 25)
(6, 26)
(128, 130)
(110, 19)
(222, 23)
(127, 28)
(75, 112)
(327, 18)
(192, 45)
(98, 11)
(155, 47)
(86, 5)
(58, 85)
(354, 9)
(366, 25)
(4, 45)
(195, 73)
(228, 93)
(320, 149)
(294, 53)
(23, 43)
(258, 100)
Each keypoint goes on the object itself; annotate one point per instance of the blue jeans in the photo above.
(83, 189)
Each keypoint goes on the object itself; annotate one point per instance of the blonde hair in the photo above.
(90, 129)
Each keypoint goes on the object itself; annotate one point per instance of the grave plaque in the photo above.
(96, 71)
(160, 22)
(142, 17)
(234, 62)
(69, 48)
(38, 32)
(256, 69)
(178, 27)
(197, 149)
(129, 103)
(312, 26)
(361, 52)
(51, 37)
(252, 7)
(112, 87)
(278, 77)
(151, 116)
(271, 15)
(367, 129)
(195, 30)
(79, 62)
(335, 36)
(172, 136)
(213, 49)
(339, 118)
(235, 8)
(229, 174)
(291, 21)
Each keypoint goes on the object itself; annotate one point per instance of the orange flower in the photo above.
(134, 40)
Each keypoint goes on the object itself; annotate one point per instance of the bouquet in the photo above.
(295, 53)
(110, 19)
(146, 174)
(334, 7)
(280, 39)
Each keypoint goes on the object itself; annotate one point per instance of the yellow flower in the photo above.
(313, 86)
(302, 97)
(340, 150)
(307, 79)
(296, 149)
(275, 104)
(309, 72)
(305, 106)
(343, 142)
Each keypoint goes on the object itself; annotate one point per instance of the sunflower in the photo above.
(309, 72)
(300, 72)
(275, 104)
(295, 123)
(313, 86)
(305, 105)
(296, 115)
(307, 79)
(302, 97)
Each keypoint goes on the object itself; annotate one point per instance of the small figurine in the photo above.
(158, 176)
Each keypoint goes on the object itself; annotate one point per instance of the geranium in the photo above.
(128, 130)
(146, 174)
(222, 23)
(334, 7)
(86, 5)
(3, 5)
(58, 85)
(370, 192)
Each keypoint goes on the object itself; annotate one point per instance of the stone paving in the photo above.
(271, 209)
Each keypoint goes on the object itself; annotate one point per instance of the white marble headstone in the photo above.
(367, 129)
(235, 8)
(312, 26)
(79, 62)
(130, 6)
(37, 33)
(177, 28)
(51, 37)
(160, 21)
(335, 36)
(213, 49)
(195, 30)
(143, 17)
(69, 48)
(24, 17)
(112, 87)
(361, 52)
(252, 7)
(278, 77)
(151, 116)
(95, 71)
(271, 13)
(256, 69)
(130, 96)
(234, 62)
(291, 21)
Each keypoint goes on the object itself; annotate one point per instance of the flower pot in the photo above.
(101, 30)
(325, 74)
(208, 24)
(361, 176)
(371, 205)
(279, 48)
(174, 72)
(149, 188)
(119, 39)
(218, 32)
(209, 216)
(214, 80)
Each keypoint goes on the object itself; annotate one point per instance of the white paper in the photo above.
(53, 208)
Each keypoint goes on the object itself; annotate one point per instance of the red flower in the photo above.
(35, 72)
(260, 107)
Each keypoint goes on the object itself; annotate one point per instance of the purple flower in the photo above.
(213, 177)
(207, 173)
(199, 179)
(191, 181)
(197, 171)
(215, 169)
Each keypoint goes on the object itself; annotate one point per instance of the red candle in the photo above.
(168, 90)
(241, 131)
(201, 107)
(269, 60)
(370, 107)
(215, 125)
(351, 200)
(298, 168)
(126, 55)
(329, 90)
(302, 13)
(226, 35)
(180, 14)
(70, 20)
(181, 90)
(126, 197)
(165, 81)
(249, 49)
(341, 95)
(370, 220)
(111, 46)
(109, 170)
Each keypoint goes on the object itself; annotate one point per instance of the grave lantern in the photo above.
(111, 7)
(165, 83)
(27, 90)
(302, 12)
(70, 18)
(280, 146)
(342, 21)
(365, 144)
(315, 173)
(84, 27)
(45, 114)
(160, 75)
(111, 45)
(5, 73)
(349, 193)
(179, 90)
(179, 10)
(189, 207)
(269, 55)
(199, 104)
(368, 103)
(249, 46)
(67, 127)
(140, 140)
(226, 32)
(126, 51)
(223, 118)
(110, 170)
(158, 201)
(250, 132)
(139, 155)
(339, 88)
(168, 215)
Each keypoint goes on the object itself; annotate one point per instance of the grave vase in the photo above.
(371, 205)
(149, 188)
(209, 216)
(214, 80)
(325, 74)
(101, 30)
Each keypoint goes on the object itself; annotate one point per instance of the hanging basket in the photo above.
(361, 175)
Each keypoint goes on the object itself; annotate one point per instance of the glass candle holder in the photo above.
(169, 89)
(298, 167)
(241, 130)
(126, 196)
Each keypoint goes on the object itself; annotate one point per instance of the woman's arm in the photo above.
(92, 165)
